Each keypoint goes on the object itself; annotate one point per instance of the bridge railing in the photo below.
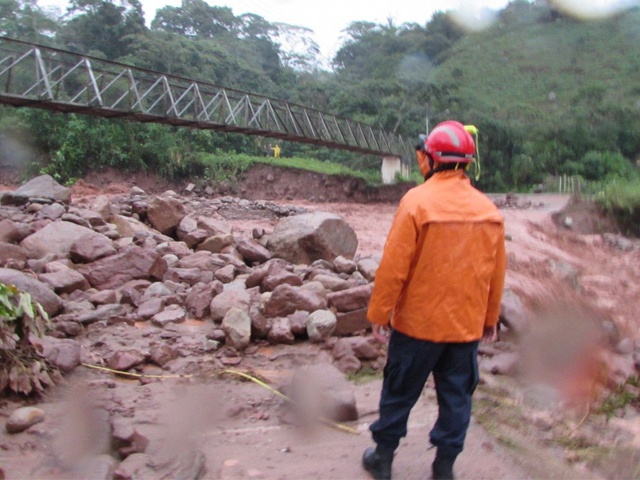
(43, 77)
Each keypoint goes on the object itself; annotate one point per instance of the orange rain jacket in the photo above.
(443, 268)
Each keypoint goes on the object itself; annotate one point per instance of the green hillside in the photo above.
(518, 70)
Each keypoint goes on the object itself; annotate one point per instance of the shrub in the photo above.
(22, 369)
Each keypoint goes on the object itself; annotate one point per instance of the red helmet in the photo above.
(449, 142)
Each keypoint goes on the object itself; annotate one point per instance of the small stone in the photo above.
(320, 325)
(237, 327)
(171, 314)
(161, 354)
(281, 331)
(23, 418)
(123, 360)
(226, 274)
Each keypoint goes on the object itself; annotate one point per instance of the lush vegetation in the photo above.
(551, 95)
(22, 369)
(621, 200)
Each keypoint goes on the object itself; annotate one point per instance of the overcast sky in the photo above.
(328, 18)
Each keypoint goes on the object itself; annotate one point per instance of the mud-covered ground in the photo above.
(241, 430)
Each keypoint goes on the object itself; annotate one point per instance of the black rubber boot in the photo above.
(377, 462)
(442, 467)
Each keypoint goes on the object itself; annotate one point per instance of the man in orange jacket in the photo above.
(439, 286)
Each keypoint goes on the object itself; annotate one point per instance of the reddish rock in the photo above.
(150, 308)
(351, 322)
(186, 226)
(123, 360)
(226, 274)
(188, 275)
(298, 322)
(62, 353)
(216, 243)
(200, 297)
(57, 238)
(102, 206)
(195, 238)
(165, 213)
(213, 226)
(131, 292)
(202, 260)
(281, 331)
(351, 299)
(104, 297)
(286, 299)
(252, 251)
(312, 236)
(90, 248)
(349, 364)
(225, 301)
(237, 328)
(270, 282)
(65, 281)
(171, 314)
(9, 251)
(162, 354)
(260, 325)
(125, 439)
(39, 291)
(331, 282)
(13, 232)
(130, 264)
(362, 347)
(179, 249)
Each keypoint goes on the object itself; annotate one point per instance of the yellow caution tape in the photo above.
(331, 423)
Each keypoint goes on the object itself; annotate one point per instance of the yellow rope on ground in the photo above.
(331, 423)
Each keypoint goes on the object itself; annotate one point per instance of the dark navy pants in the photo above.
(455, 370)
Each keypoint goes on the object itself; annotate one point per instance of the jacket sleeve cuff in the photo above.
(491, 322)
(377, 317)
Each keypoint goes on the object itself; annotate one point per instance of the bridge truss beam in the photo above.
(52, 79)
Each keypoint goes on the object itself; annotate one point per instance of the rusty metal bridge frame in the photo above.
(42, 77)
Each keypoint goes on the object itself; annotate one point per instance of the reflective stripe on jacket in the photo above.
(443, 268)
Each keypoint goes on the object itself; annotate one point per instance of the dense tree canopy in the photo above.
(384, 74)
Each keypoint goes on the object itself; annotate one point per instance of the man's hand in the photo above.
(490, 334)
(381, 333)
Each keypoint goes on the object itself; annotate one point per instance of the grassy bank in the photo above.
(621, 200)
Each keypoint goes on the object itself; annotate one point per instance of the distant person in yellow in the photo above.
(276, 151)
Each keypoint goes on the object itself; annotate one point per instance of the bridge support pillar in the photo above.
(392, 168)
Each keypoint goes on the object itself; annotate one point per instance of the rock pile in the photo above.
(161, 260)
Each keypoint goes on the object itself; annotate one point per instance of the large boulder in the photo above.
(42, 187)
(41, 293)
(130, 264)
(57, 238)
(286, 299)
(312, 236)
(165, 213)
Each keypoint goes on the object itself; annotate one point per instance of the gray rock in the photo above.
(344, 265)
(171, 314)
(320, 325)
(312, 236)
(513, 313)
(23, 418)
(368, 268)
(237, 328)
(155, 290)
(103, 312)
(42, 187)
(150, 308)
(40, 292)
(102, 206)
(52, 212)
